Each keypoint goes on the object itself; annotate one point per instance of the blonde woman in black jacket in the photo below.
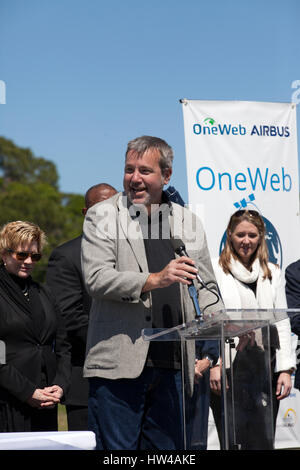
(37, 370)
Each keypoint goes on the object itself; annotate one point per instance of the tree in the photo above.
(19, 164)
(29, 191)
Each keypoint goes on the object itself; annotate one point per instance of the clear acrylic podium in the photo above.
(246, 405)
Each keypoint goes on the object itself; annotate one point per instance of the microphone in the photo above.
(179, 248)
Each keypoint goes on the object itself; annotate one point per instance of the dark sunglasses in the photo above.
(22, 255)
(242, 212)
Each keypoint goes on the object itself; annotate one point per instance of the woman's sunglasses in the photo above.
(249, 211)
(22, 255)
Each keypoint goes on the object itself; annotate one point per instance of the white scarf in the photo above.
(263, 298)
(269, 294)
(242, 276)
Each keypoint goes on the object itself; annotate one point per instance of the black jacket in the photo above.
(292, 289)
(64, 277)
(29, 348)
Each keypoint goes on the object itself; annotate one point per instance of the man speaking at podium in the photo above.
(137, 281)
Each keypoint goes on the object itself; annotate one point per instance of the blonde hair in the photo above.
(261, 252)
(15, 234)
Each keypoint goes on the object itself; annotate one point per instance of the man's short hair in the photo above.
(146, 142)
(93, 194)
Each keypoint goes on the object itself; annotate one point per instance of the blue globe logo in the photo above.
(273, 243)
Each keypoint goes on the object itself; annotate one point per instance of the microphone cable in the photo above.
(180, 250)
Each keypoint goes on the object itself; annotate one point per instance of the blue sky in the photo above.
(83, 77)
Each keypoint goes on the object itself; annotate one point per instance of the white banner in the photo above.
(244, 154)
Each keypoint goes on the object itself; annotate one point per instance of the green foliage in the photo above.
(73, 204)
(19, 164)
(29, 191)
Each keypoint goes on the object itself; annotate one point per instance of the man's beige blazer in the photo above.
(115, 270)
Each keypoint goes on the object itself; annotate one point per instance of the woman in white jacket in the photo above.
(247, 280)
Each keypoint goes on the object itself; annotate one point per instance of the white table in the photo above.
(61, 440)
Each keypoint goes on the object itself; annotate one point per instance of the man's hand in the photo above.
(215, 379)
(178, 270)
(201, 365)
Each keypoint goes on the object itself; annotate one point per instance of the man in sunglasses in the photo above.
(64, 277)
(137, 282)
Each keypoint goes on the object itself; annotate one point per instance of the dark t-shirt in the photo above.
(166, 302)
